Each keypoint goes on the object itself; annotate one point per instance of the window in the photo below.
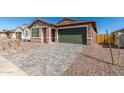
(35, 32)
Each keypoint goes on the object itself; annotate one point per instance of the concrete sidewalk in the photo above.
(9, 69)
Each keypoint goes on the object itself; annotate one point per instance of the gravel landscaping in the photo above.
(47, 59)
(13, 48)
(96, 61)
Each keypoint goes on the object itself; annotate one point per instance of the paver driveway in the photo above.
(47, 59)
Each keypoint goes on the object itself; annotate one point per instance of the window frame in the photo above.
(33, 32)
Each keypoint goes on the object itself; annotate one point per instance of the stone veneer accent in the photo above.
(91, 35)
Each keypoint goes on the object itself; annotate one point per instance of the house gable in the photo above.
(18, 29)
(24, 26)
(65, 20)
(38, 23)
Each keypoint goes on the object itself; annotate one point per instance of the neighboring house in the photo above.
(22, 32)
(13, 35)
(119, 37)
(27, 34)
(65, 31)
(6, 33)
(3, 34)
(18, 32)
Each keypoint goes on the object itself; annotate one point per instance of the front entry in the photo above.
(53, 35)
(18, 35)
(44, 35)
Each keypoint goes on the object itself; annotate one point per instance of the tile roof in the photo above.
(69, 22)
(75, 22)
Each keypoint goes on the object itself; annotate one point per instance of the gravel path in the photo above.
(47, 59)
(96, 61)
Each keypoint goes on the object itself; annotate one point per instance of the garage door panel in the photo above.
(72, 35)
(70, 39)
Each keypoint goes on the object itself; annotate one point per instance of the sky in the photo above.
(103, 23)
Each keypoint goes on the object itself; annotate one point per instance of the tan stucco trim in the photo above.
(57, 37)
(72, 26)
(49, 36)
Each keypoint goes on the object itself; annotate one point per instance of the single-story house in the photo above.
(65, 31)
(119, 37)
(21, 32)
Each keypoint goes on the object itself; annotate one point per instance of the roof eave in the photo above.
(38, 20)
(94, 22)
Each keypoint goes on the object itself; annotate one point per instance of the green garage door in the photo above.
(72, 35)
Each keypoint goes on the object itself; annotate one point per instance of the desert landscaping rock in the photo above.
(5, 49)
(47, 59)
(96, 61)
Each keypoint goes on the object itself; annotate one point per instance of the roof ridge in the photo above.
(65, 19)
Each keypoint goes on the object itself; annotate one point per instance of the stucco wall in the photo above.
(42, 27)
(91, 33)
(3, 35)
(28, 36)
(119, 39)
